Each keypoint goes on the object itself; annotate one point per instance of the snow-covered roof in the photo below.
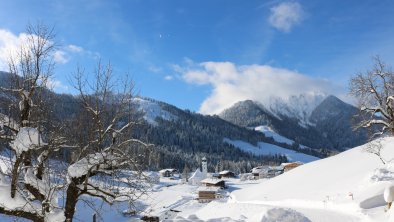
(259, 169)
(211, 181)
(278, 168)
(286, 164)
(197, 175)
(170, 170)
(224, 172)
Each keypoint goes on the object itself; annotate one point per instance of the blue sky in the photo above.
(205, 55)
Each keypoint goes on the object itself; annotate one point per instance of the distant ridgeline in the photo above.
(182, 137)
(178, 137)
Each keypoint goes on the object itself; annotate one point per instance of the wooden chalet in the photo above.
(290, 166)
(226, 174)
(168, 172)
(259, 172)
(266, 171)
(207, 194)
(212, 182)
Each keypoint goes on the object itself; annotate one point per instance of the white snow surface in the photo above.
(270, 149)
(152, 110)
(332, 178)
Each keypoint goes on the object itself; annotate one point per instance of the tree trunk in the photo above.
(71, 201)
(15, 175)
(25, 113)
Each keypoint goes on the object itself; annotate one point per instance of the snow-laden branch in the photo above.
(98, 191)
(19, 205)
(27, 138)
(369, 123)
(6, 121)
(376, 109)
(42, 186)
(96, 162)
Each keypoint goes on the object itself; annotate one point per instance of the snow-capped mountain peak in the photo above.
(313, 120)
(299, 107)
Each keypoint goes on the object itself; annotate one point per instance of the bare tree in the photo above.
(375, 147)
(374, 90)
(102, 165)
(105, 151)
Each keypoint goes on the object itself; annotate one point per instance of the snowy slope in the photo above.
(352, 181)
(269, 132)
(336, 176)
(152, 110)
(270, 149)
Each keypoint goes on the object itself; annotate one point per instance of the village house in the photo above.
(212, 182)
(266, 171)
(259, 172)
(226, 174)
(168, 172)
(207, 194)
(290, 166)
(274, 171)
(211, 189)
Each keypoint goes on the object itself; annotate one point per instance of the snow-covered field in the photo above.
(270, 149)
(345, 187)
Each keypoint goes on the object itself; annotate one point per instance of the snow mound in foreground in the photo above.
(284, 215)
(272, 215)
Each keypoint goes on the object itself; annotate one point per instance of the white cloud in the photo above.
(169, 77)
(57, 85)
(154, 69)
(10, 45)
(231, 83)
(285, 15)
(60, 57)
(74, 48)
